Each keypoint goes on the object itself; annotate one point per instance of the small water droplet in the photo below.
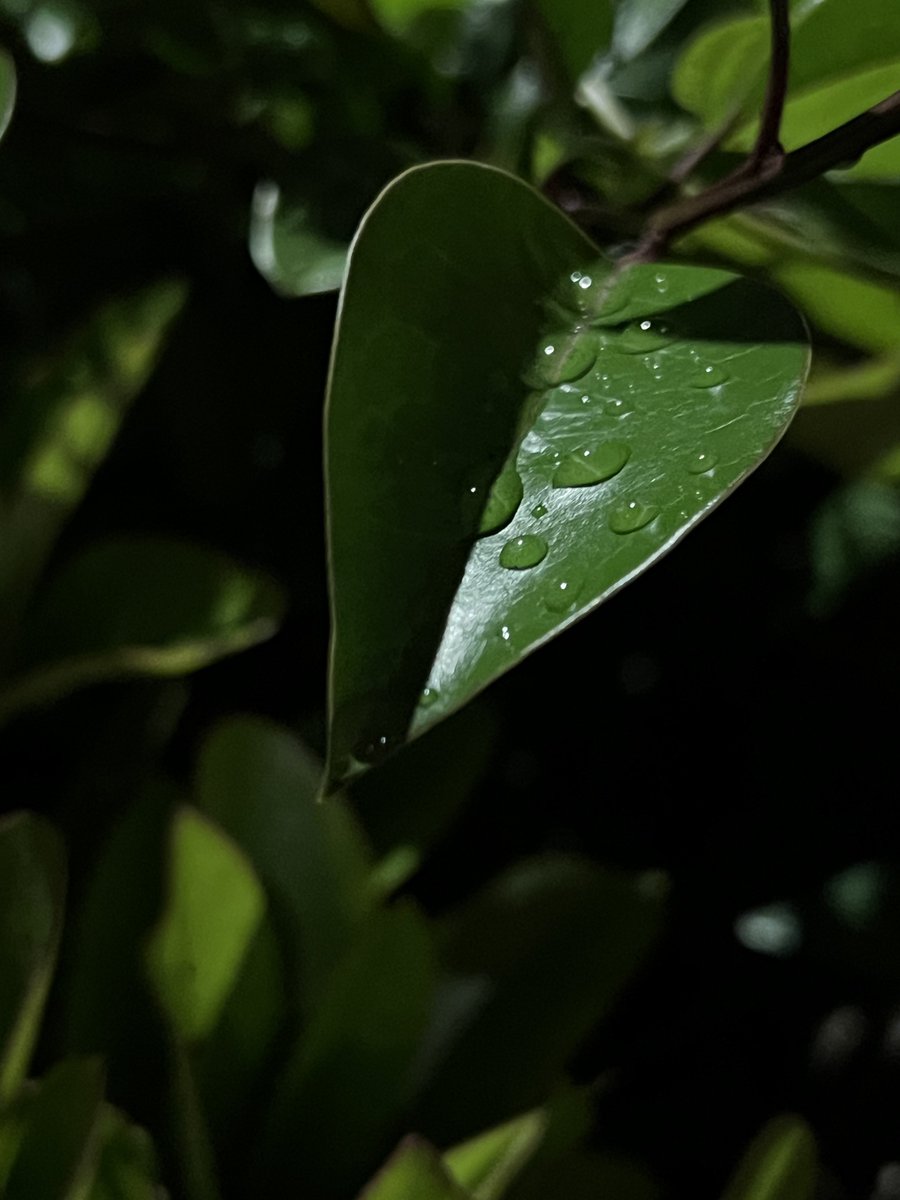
(575, 276)
(643, 337)
(562, 359)
(633, 515)
(504, 632)
(585, 399)
(428, 697)
(585, 282)
(376, 748)
(702, 461)
(503, 501)
(539, 510)
(662, 284)
(522, 552)
(584, 467)
(561, 595)
(709, 377)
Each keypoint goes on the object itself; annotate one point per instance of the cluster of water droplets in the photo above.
(593, 327)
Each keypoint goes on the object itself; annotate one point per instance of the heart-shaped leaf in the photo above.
(482, 336)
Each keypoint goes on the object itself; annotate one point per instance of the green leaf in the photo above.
(290, 249)
(845, 57)
(137, 606)
(535, 961)
(350, 1076)
(127, 1168)
(32, 897)
(779, 1165)
(581, 31)
(57, 1156)
(486, 1164)
(413, 1172)
(260, 784)
(7, 90)
(480, 333)
(408, 805)
(59, 425)
(639, 22)
(214, 908)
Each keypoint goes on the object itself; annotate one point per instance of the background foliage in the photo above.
(622, 926)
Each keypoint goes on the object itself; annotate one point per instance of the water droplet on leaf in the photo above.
(585, 467)
(539, 510)
(561, 595)
(428, 697)
(709, 377)
(642, 337)
(562, 359)
(631, 516)
(522, 552)
(702, 461)
(503, 500)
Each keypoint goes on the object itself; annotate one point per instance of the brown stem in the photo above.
(767, 140)
(773, 176)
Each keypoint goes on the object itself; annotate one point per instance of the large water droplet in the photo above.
(524, 551)
(428, 697)
(702, 461)
(585, 467)
(561, 595)
(633, 515)
(562, 358)
(642, 337)
(503, 500)
(539, 510)
(711, 376)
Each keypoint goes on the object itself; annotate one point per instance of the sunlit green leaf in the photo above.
(137, 606)
(32, 894)
(59, 425)
(350, 1075)
(413, 1172)
(260, 784)
(495, 340)
(638, 23)
(779, 1165)
(214, 908)
(57, 1156)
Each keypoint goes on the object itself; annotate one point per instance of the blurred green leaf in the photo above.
(410, 803)
(127, 1168)
(289, 249)
(587, 1175)
(428, 405)
(413, 1172)
(639, 22)
(260, 784)
(854, 531)
(32, 897)
(59, 424)
(581, 31)
(350, 1075)
(779, 1165)
(534, 962)
(845, 57)
(214, 907)
(57, 1156)
(486, 1164)
(137, 606)
(7, 90)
